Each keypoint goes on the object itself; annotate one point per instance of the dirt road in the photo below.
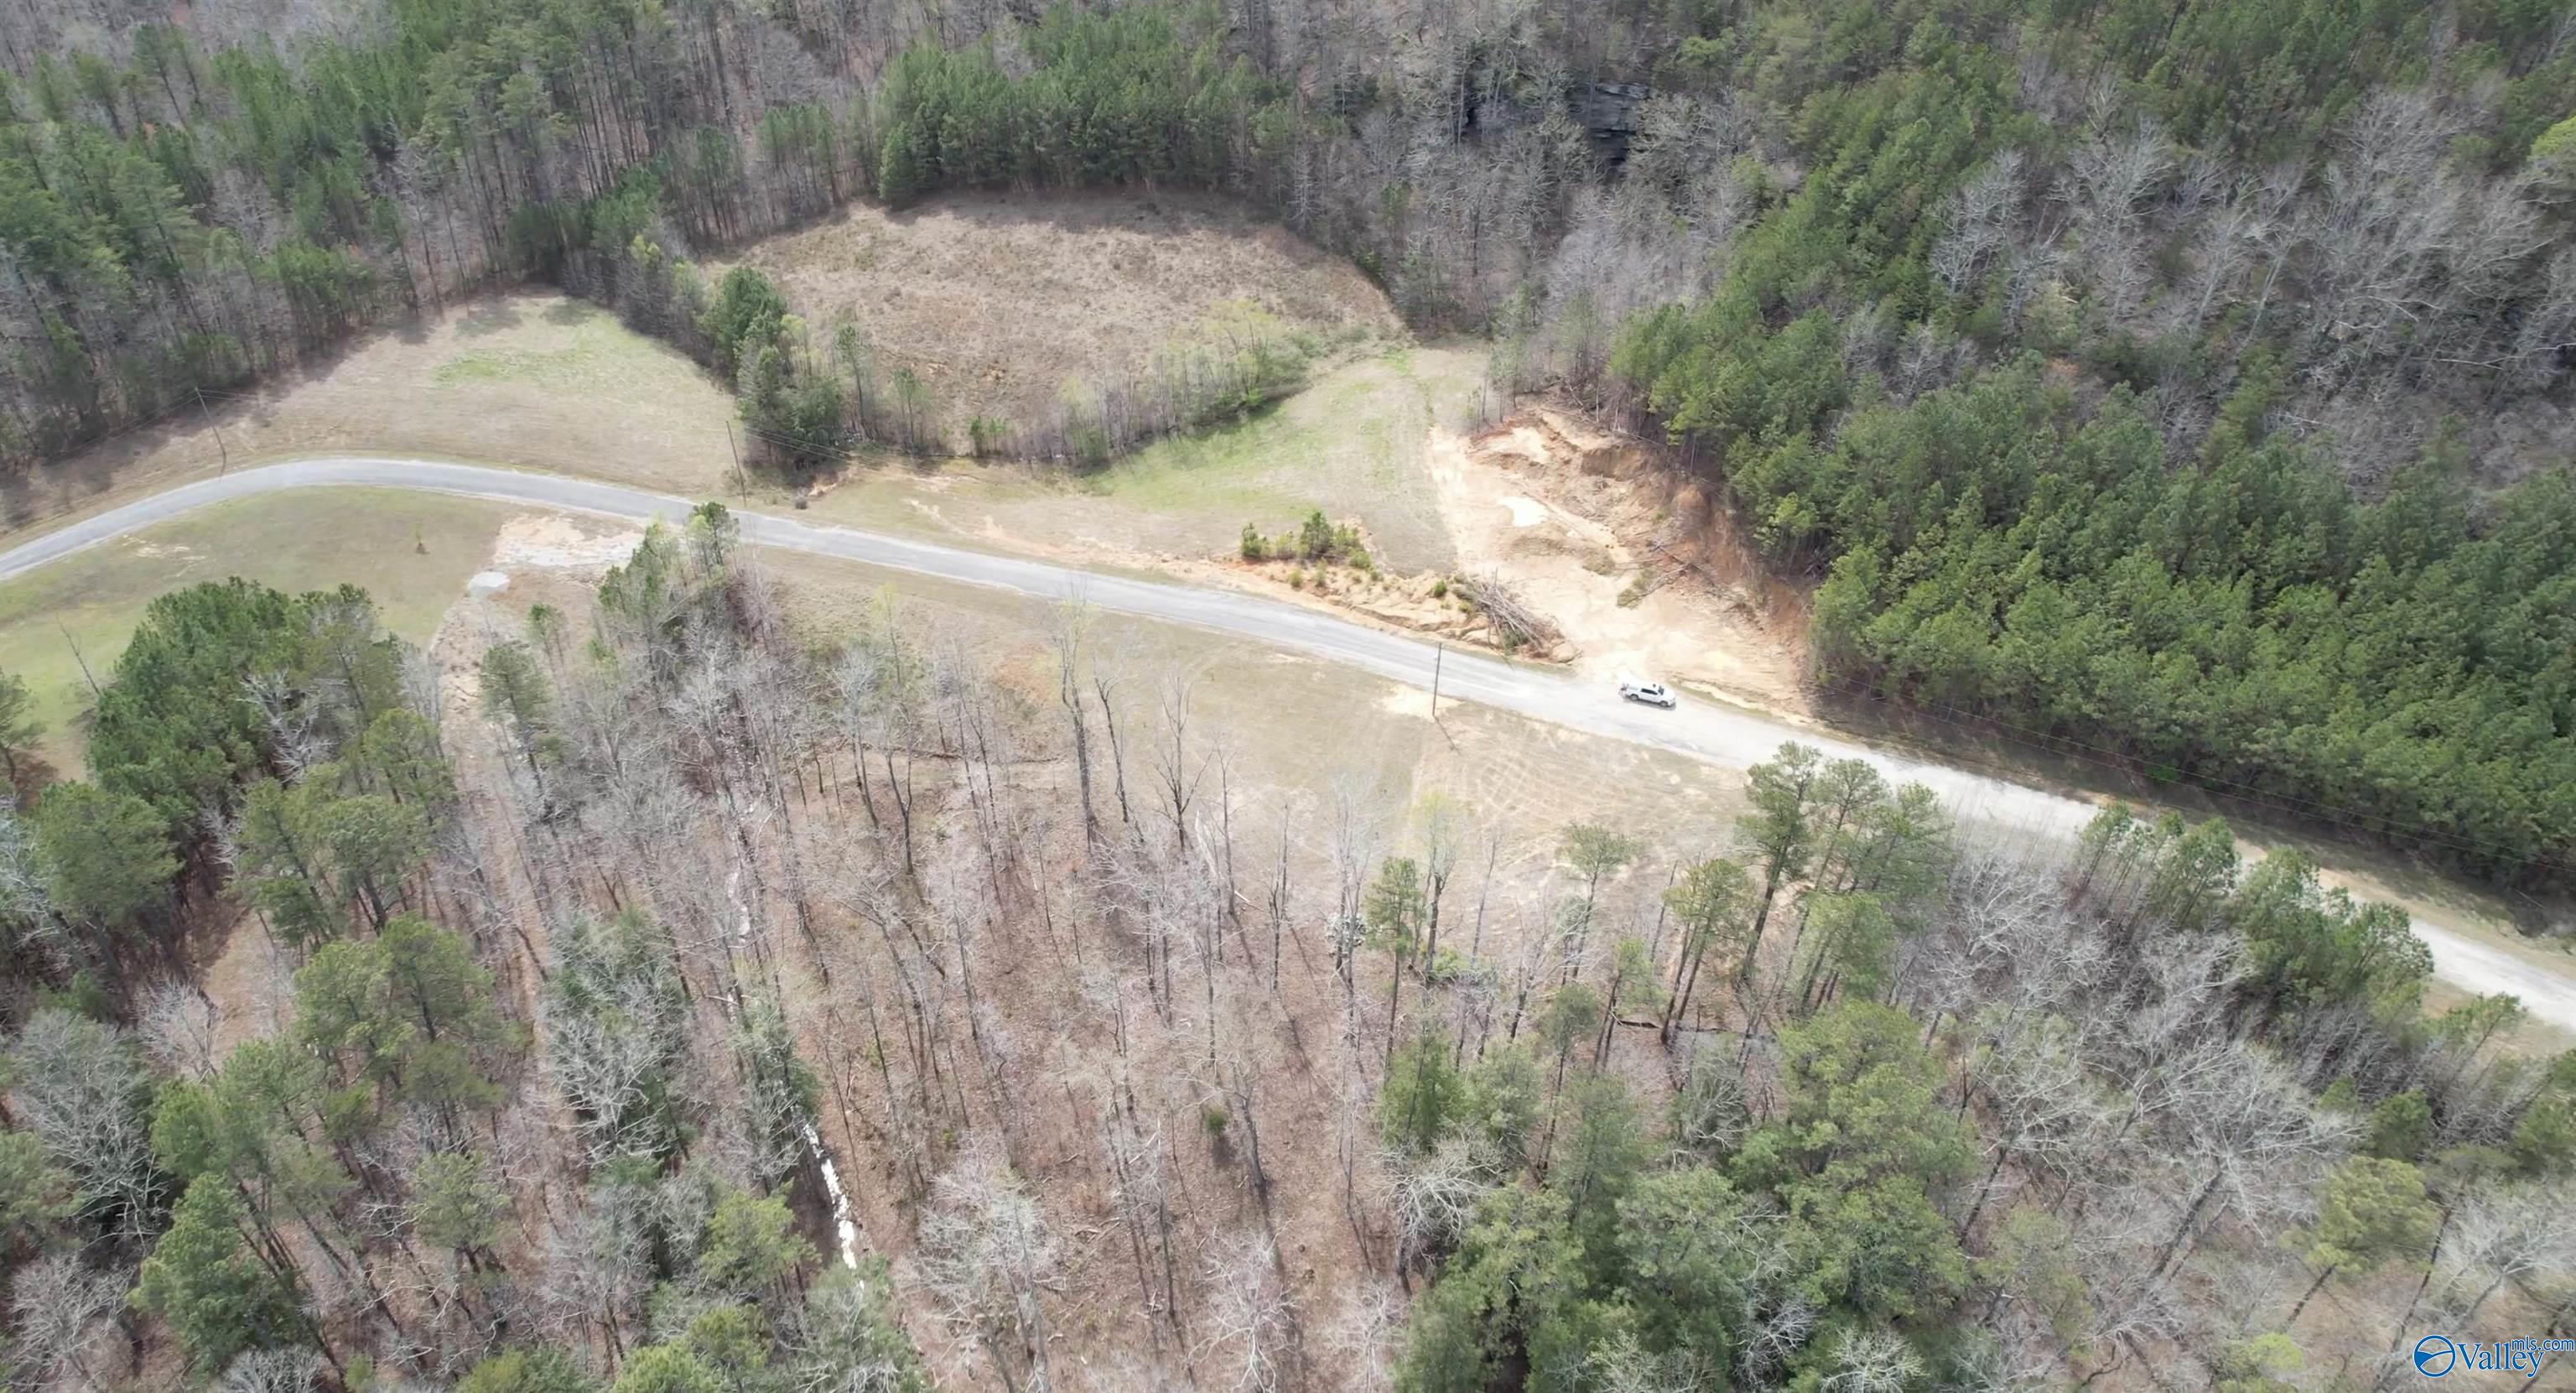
(1712, 734)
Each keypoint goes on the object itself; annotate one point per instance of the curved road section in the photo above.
(1711, 734)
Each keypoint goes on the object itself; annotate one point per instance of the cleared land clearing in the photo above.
(412, 551)
(535, 380)
(1290, 725)
(996, 301)
(1353, 444)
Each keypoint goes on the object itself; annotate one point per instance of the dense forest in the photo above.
(655, 996)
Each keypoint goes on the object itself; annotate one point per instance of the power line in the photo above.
(161, 415)
(2350, 819)
(2226, 788)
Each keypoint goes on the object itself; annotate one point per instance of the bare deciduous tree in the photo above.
(1872, 1361)
(2504, 1235)
(1366, 1333)
(1245, 1331)
(57, 1305)
(986, 1253)
(176, 1024)
(271, 1371)
(1433, 1197)
(2245, 1141)
(80, 1088)
(2106, 185)
(1975, 221)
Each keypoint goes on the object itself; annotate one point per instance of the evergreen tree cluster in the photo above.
(1141, 97)
(183, 220)
(2235, 618)
(2087, 431)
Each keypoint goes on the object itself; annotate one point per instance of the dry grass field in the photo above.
(536, 380)
(996, 301)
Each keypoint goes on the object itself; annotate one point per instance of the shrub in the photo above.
(1254, 547)
(1440, 589)
(1316, 537)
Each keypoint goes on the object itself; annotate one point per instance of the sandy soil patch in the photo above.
(997, 300)
(554, 542)
(1628, 561)
(1406, 701)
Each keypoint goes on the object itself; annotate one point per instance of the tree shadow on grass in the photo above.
(488, 316)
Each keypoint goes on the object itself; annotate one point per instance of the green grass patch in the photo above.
(560, 365)
(585, 341)
(85, 606)
(577, 345)
(1352, 443)
(1231, 466)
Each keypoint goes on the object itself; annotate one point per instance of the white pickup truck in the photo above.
(1651, 693)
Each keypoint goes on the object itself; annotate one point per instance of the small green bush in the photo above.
(1316, 537)
(1255, 547)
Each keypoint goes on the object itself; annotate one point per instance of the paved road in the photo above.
(1713, 734)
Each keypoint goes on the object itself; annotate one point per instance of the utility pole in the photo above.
(738, 487)
(1439, 652)
(86, 675)
(223, 454)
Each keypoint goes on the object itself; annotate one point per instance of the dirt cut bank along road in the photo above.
(1710, 734)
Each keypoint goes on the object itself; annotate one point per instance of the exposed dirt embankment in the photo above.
(1481, 610)
(1605, 538)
